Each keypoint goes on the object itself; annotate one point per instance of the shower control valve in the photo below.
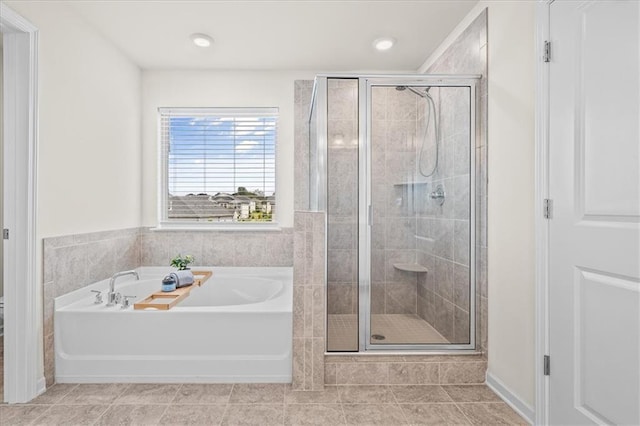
(438, 195)
(98, 300)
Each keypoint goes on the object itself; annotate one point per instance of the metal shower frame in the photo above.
(318, 192)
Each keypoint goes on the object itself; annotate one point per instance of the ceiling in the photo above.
(275, 35)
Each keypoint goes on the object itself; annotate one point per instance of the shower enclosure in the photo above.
(392, 163)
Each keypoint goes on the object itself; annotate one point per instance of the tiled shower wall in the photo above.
(75, 261)
(443, 230)
(468, 55)
(393, 156)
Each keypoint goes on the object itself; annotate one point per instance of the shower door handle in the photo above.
(370, 215)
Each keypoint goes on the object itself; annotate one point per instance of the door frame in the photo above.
(23, 347)
(542, 248)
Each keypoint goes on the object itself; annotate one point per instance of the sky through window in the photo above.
(209, 154)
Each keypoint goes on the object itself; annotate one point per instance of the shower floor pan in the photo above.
(395, 328)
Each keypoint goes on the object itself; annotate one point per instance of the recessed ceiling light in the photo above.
(201, 40)
(384, 43)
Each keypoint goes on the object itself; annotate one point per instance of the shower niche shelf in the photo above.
(410, 267)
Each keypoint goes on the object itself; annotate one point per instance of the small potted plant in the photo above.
(182, 262)
(184, 276)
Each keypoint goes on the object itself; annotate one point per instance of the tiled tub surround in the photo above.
(264, 405)
(468, 55)
(218, 248)
(75, 261)
(309, 312)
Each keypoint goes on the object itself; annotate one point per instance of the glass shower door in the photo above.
(420, 137)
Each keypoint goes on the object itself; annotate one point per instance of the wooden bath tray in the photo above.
(164, 301)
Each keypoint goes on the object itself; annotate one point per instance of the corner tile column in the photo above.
(308, 301)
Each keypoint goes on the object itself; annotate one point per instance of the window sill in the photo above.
(268, 227)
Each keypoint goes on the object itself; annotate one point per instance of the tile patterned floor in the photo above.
(397, 328)
(260, 404)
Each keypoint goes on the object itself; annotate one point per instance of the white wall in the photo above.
(511, 233)
(89, 128)
(511, 251)
(219, 89)
(89, 114)
(1, 159)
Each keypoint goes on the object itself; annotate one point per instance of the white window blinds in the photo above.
(218, 164)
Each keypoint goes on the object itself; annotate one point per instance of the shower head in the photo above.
(417, 92)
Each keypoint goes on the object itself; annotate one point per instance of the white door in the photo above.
(594, 287)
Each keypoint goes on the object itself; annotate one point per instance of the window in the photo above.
(218, 165)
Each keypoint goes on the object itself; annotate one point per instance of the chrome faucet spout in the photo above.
(112, 296)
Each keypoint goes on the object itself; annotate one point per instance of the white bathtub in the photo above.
(237, 327)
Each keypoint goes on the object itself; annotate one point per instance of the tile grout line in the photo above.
(284, 404)
(163, 412)
(447, 393)
(101, 414)
(404, 415)
(226, 406)
(463, 413)
(170, 402)
(112, 403)
(41, 415)
(52, 404)
(175, 396)
(344, 414)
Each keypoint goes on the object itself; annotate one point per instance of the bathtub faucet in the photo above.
(112, 296)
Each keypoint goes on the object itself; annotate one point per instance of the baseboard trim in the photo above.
(522, 408)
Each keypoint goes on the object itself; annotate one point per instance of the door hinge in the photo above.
(5, 234)
(547, 365)
(548, 208)
(547, 51)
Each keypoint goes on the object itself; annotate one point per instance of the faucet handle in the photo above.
(126, 302)
(98, 300)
